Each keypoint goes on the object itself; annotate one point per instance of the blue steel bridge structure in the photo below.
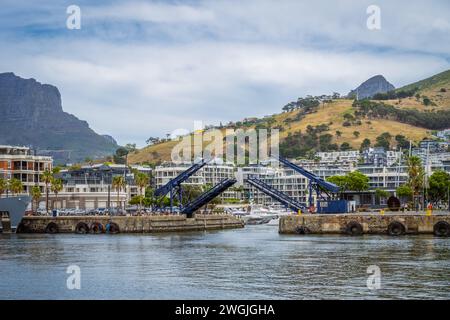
(174, 190)
(325, 192)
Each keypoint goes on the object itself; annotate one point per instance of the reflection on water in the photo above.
(251, 263)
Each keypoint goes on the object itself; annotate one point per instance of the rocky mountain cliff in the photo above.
(372, 86)
(32, 115)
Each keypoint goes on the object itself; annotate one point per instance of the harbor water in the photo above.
(251, 263)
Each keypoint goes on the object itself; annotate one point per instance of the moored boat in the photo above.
(15, 207)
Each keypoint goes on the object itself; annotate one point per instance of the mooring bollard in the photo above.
(429, 212)
(382, 212)
(299, 212)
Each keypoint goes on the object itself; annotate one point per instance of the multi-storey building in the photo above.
(444, 134)
(429, 158)
(339, 156)
(20, 163)
(91, 187)
(387, 178)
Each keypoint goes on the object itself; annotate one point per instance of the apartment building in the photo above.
(90, 187)
(20, 163)
(339, 156)
(387, 178)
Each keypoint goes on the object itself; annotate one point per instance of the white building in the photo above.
(20, 163)
(339, 156)
(90, 187)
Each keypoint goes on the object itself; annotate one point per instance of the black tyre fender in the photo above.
(441, 229)
(396, 228)
(302, 230)
(112, 228)
(354, 228)
(96, 228)
(81, 228)
(52, 228)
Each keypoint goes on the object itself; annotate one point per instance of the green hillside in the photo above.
(341, 124)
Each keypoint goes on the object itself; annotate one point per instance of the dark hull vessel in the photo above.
(15, 207)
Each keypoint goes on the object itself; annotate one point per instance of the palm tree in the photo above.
(16, 186)
(56, 187)
(416, 174)
(35, 196)
(118, 183)
(3, 186)
(47, 178)
(141, 180)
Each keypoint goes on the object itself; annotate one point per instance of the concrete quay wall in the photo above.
(127, 224)
(367, 223)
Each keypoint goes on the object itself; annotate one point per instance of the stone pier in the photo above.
(367, 223)
(127, 224)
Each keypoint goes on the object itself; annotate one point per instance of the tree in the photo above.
(340, 180)
(357, 181)
(384, 140)
(152, 140)
(365, 144)
(345, 146)
(439, 186)
(36, 194)
(402, 142)
(354, 181)
(380, 193)
(131, 147)
(120, 157)
(3, 186)
(47, 178)
(118, 183)
(356, 134)
(136, 200)
(56, 187)
(141, 180)
(338, 133)
(15, 186)
(404, 192)
(349, 117)
(336, 95)
(191, 192)
(415, 176)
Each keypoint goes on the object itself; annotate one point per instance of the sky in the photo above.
(137, 69)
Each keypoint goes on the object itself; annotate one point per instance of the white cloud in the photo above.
(220, 61)
(151, 12)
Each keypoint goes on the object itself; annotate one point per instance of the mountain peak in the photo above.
(32, 114)
(372, 86)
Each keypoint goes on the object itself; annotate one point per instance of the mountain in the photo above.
(32, 115)
(341, 121)
(372, 86)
